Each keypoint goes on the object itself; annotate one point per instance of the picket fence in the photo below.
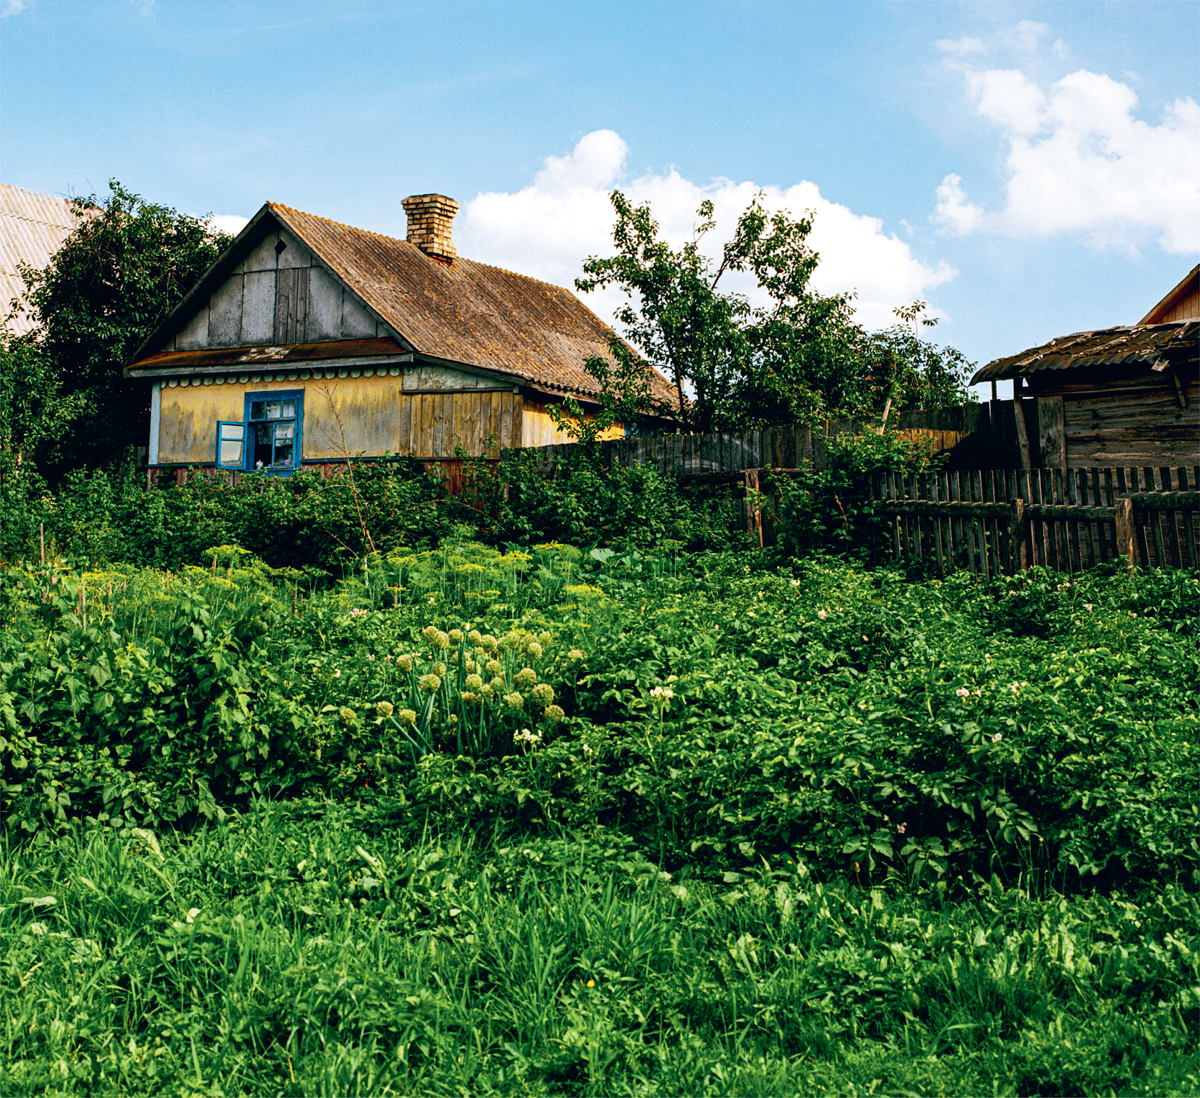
(1000, 521)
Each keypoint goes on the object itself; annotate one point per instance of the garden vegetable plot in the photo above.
(599, 823)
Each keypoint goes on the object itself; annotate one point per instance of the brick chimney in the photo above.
(429, 218)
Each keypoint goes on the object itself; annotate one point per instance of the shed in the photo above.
(1126, 396)
(309, 341)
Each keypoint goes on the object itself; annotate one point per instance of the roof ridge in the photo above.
(339, 224)
(35, 220)
(397, 240)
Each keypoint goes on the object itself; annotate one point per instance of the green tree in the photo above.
(33, 410)
(798, 358)
(124, 267)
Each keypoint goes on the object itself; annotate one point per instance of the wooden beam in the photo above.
(1052, 436)
(1126, 543)
(1019, 418)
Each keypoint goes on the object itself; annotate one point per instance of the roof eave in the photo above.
(1186, 285)
(1058, 355)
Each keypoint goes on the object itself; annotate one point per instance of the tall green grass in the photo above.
(309, 949)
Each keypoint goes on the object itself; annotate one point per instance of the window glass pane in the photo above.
(257, 409)
(283, 450)
(287, 409)
(230, 443)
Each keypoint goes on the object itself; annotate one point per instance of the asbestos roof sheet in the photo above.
(33, 227)
(1135, 346)
(463, 311)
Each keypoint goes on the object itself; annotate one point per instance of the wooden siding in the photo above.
(1187, 308)
(431, 425)
(426, 377)
(277, 297)
(1134, 427)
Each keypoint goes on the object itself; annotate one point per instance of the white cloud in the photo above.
(1080, 162)
(953, 209)
(228, 223)
(549, 228)
(1008, 98)
(11, 7)
(960, 46)
(146, 7)
(1024, 36)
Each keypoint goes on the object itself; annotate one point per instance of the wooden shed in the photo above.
(309, 341)
(1127, 396)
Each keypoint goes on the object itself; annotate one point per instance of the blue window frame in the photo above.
(269, 438)
(231, 445)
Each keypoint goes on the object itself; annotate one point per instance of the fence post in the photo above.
(1017, 560)
(753, 510)
(1126, 544)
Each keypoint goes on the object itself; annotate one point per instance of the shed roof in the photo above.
(1139, 345)
(33, 227)
(457, 311)
(1185, 294)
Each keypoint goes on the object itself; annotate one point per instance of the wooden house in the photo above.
(1126, 396)
(310, 341)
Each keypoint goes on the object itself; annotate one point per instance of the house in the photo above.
(309, 341)
(33, 227)
(1127, 396)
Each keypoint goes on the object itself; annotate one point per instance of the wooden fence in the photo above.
(996, 522)
(971, 435)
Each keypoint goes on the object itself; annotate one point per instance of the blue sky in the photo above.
(1029, 169)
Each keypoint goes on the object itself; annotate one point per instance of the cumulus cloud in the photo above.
(1078, 161)
(228, 223)
(953, 209)
(11, 7)
(1024, 36)
(960, 46)
(548, 228)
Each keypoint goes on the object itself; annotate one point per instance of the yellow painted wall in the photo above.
(367, 408)
(345, 416)
(539, 429)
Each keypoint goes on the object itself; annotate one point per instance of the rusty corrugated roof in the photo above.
(463, 311)
(1130, 346)
(33, 227)
(272, 356)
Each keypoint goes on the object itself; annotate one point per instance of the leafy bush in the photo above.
(716, 712)
(833, 510)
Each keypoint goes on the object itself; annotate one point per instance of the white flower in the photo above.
(997, 737)
(357, 612)
(821, 614)
(962, 692)
(1088, 607)
(666, 693)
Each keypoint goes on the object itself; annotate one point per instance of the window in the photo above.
(269, 438)
(231, 445)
